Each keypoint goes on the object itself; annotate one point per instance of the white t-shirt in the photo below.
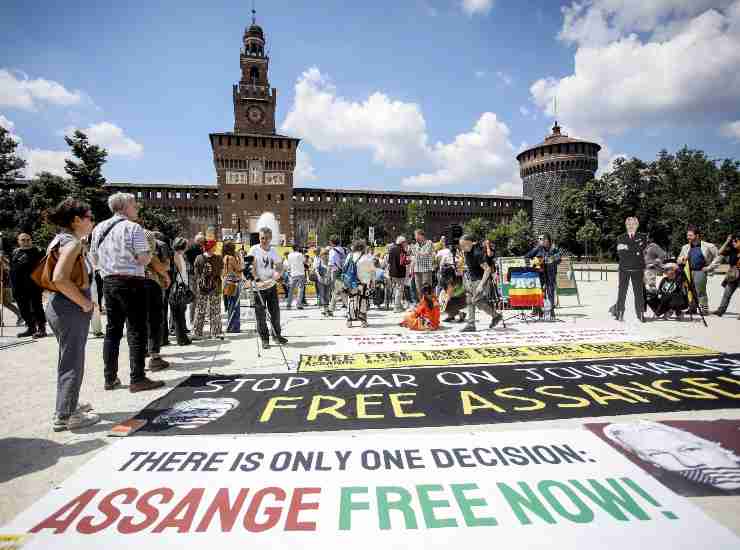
(445, 257)
(295, 264)
(265, 261)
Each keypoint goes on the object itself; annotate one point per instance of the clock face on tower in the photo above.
(255, 114)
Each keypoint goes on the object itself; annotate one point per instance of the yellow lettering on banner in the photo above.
(637, 391)
(713, 386)
(362, 403)
(602, 396)
(273, 403)
(397, 404)
(316, 409)
(538, 405)
(494, 355)
(468, 398)
(691, 393)
(579, 402)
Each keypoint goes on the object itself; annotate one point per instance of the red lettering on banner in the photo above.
(272, 512)
(189, 504)
(297, 506)
(126, 526)
(226, 512)
(74, 507)
(106, 506)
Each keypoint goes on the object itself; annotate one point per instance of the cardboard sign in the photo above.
(412, 398)
(694, 458)
(494, 355)
(529, 489)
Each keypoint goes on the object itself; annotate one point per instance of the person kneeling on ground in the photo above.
(425, 316)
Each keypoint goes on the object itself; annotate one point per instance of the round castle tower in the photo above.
(547, 167)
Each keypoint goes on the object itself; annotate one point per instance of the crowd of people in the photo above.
(155, 288)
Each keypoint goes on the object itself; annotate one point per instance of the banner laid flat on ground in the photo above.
(269, 403)
(528, 489)
(696, 458)
(494, 355)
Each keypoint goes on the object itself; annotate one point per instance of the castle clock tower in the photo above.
(254, 165)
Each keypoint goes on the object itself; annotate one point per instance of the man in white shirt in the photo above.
(297, 274)
(267, 266)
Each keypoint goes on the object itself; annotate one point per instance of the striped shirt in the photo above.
(423, 255)
(117, 254)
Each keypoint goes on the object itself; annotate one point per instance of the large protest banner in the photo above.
(528, 489)
(269, 403)
(695, 458)
(494, 355)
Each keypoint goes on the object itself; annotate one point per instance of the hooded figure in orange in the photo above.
(426, 315)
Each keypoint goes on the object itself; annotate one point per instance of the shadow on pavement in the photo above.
(22, 456)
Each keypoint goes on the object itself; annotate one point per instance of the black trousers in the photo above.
(125, 304)
(267, 300)
(154, 311)
(165, 329)
(31, 307)
(178, 319)
(638, 287)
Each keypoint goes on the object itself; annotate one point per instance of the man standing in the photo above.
(120, 251)
(703, 258)
(422, 252)
(27, 294)
(191, 254)
(267, 267)
(297, 274)
(631, 251)
(157, 279)
(337, 255)
(397, 271)
(549, 258)
(479, 268)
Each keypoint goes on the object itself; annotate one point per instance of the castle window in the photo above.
(269, 196)
(280, 144)
(242, 196)
(256, 196)
(254, 75)
(228, 196)
(272, 144)
(264, 142)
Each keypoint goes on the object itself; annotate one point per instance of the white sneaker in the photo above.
(77, 420)
(83, 406)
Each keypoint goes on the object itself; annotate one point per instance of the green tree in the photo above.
(11, 165)
(521, 235)
(160, 219)
(86, 173)
(350, 220)
(416, 215)
(478, 227)
(590, 236)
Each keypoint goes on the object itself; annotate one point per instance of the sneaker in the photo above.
(718, 312)
(185, 342)
(495, 320)
(462, 315)
(157, 364)
(145, 384)
(83, 406)
(98, 335)
(282, 340)
(299, 307)
(26, 333)
(114, 384)
(468, 328)
(265, 344)
(77, 420)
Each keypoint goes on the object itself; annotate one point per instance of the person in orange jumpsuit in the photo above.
(426, 315)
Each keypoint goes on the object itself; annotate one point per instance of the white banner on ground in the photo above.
(528, 489)
(512, 336)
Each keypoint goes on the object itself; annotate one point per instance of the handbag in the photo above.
(43, 273)
(733, 274)
(181, 294)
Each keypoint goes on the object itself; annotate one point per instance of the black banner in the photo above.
(442, 396)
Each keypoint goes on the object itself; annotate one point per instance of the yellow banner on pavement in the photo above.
(494, 355)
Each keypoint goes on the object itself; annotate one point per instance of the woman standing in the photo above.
(233, 268)
(323, 279)
(208, 269)
(69, 310)
(355, 286)
(181, 277)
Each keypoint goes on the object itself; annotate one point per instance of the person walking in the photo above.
(157, 279)
(69, 309)
(180, 278)
(479, 270)
(397, 265)
(322, 273)
(422, 253)
(267, 271)
(631, 252)
(233, 268)
(337, 256)
(27, 294)
(120, 251)
(208, 270)
(297, 278)
(730, 250)
(702, 259)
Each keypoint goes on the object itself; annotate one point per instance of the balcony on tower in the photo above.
(248, 90)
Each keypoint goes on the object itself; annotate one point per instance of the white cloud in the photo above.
(7, 124)
(20, 92)
(43, 160)
(485, 153)
(472, 7)
(394, 131)
(623, 80)
(480, 74)
(731, 130)
(112, 138)
(511, 189)
(304, 170)
(505, 78)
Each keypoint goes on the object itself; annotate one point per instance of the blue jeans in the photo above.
(299, 282)
(323, 291)
(233, 312)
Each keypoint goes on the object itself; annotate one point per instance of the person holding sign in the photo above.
(546, 258)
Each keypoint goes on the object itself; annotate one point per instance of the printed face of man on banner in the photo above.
(194, 413)
(671, 449)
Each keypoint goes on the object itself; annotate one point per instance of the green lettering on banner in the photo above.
(611, 500)
(466, 505)
(402, 504)
(584, 513)
(428, 505)
(518, 502)
(346, 505)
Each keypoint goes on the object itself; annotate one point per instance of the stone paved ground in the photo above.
(35, 459)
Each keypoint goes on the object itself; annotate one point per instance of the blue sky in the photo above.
(431, 95)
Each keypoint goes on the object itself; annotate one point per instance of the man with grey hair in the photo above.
(397, 261)
(268, 269)
(120, 250)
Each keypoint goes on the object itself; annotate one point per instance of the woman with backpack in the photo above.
(208, 269)
(356, 285)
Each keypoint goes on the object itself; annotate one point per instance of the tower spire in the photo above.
(254, 14)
